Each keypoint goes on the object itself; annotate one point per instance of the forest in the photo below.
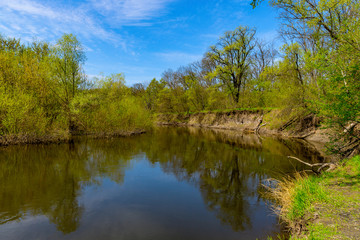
(45, 91)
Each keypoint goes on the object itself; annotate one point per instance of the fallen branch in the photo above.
(320, 165)
(306, 135)
(288, 123)
(258, 128)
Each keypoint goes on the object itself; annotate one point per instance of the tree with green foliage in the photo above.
(232, 57)
(27, 104)
(69, 58)
(333, 61)
(44, 94)
(152, 93)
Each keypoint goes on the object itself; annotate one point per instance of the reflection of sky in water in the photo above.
(148, 205)
(169, 185)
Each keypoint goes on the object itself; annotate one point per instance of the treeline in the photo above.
(228, 76)
(45, 92)
(317, 70)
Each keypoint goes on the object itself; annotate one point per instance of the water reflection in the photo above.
(226, 167)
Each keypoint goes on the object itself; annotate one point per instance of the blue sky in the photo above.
(140, 38)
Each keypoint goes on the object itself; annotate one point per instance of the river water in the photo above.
(172, 183)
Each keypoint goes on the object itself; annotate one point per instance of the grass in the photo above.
(318, 232)
(324, 207)
(295, 197)
(307, 191)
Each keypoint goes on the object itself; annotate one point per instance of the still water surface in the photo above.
(173, 183)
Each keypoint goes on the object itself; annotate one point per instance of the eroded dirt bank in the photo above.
(267, 122)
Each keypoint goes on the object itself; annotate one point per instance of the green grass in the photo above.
(329, 196)
(318, 232)
(307, 192)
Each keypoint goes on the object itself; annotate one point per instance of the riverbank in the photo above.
(60, 137)
(323, 207)
(286, 123)
(313, 207)
(16, 139)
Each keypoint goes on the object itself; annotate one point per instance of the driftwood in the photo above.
(258, 128)
(321, 166)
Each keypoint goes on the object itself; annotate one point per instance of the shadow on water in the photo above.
(226, 167)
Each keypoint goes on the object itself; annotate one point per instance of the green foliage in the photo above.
(28, 105)
(152, 93)
(21, 115)
(317, 71)
(109, 108)
(68, 59)
(43, 91)
(232, 58)
(218, 99)
(330, 50)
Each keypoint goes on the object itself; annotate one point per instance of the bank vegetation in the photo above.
(45, 95)
(45, 92)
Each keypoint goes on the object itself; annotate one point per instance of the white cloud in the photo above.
(28, 7)
(48, 21)
(131, 11)
(25, 18)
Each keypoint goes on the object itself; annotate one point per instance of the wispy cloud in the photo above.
(131, 11)
(89, 19)
(24, 18)
(179, 57)
(269, 36)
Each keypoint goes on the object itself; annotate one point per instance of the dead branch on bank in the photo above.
(321, 166)
(258, 128)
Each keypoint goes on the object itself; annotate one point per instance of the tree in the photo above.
(332, 61)
(232, 57)
(69, 58)
(152, 93)
(138, 89)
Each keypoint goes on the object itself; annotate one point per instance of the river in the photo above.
(171, 183)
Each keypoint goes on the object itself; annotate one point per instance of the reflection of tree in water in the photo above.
(48, 180)
(227, 173)
(222, 189)
(66, 212)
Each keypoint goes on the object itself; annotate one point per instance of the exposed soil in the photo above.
(253, 121)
